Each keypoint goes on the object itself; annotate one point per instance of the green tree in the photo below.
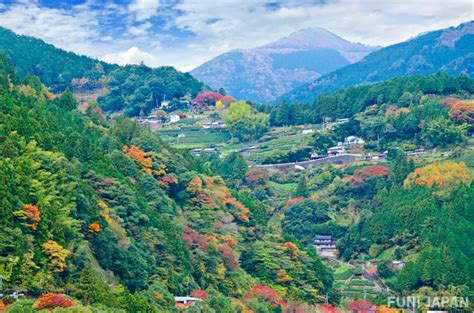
(244, 124)
(66, 100)
(302, 188)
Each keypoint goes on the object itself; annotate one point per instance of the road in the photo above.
(333, 159)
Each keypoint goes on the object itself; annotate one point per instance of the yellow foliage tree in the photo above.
(57, 255)
(443, 175)
(283, 277)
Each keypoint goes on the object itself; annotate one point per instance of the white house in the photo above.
(336, 150)
(174, 118)
(186, 300)
(353, 141)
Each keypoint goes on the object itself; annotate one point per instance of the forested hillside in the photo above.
(449, 50)
(115, 218)
(132, 89)
(415, 209)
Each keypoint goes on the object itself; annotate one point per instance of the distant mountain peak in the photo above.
(265, 72)
(449, 50)
(315, 38)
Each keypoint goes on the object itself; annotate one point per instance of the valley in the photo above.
(338, 183)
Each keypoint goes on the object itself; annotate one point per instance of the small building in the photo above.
(376, 156)
(174, 118)
(307, 131)
(336, 150)
(325, 246)
(217, 124)
(397, 265)
(186, 301)
(342, 120)
(197, 151)
(151, 119)
(353, 141)
(164, 104)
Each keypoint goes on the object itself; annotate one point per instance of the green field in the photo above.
(195, 137)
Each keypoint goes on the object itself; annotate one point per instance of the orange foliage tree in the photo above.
(94, 228)
(462, 111)
(139, 156)
(52, 301)
(30, 214)
(291, 248)
(444, 175)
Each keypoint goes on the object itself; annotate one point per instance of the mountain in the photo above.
(262, 74)
(132, 89)
(450, 50)
(121, 222)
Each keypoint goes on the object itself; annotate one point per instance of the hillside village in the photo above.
(140, 188)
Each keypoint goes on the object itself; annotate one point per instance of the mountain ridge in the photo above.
(264, 72)
(450, 49)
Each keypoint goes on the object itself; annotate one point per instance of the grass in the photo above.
(343, 273)
(195, 137)
(359, 282)
(283, 189)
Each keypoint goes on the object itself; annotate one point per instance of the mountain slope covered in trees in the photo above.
(261, 74)
(449, 50)
(115, 218)
(132, 89)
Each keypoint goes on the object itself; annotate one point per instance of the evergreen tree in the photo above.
(302, 188)
(66, 100)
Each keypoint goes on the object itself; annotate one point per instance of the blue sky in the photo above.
(186, 33)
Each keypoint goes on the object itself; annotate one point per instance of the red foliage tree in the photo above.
(359, 306)
(228, 257)
(193, 237)
(268, 294)
(256, 177)
(53, 300)
(327, 308)
(198, 293)
(207, 98)
(362, 174)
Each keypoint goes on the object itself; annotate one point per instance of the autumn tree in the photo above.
(57, 255)
(30, 215)
(443, 175)
(52, 301)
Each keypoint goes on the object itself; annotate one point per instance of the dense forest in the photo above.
(132, 89)
(115, 218)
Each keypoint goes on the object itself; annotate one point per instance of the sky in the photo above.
(186, 33)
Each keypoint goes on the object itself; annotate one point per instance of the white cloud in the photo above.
(132, 56)
(245, 24)
(144, 9)
(74, 30)
(220, 26)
